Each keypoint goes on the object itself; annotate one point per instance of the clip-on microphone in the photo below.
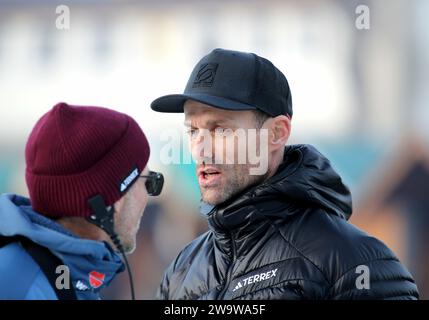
(102, 217)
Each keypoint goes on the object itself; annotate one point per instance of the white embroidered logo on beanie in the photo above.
(129, 179)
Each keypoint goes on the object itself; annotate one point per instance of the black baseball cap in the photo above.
(233, 80)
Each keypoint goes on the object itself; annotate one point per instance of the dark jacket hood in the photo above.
(304, 179)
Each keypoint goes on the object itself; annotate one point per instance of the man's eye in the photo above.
(223, 131)
(192, 132)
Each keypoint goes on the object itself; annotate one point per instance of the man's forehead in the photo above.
(192, 107)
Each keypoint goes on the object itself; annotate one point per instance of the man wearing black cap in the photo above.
(277, 234)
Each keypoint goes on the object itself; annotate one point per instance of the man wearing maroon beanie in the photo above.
(83, 166)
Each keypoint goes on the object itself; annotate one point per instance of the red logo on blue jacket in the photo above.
(96, 279)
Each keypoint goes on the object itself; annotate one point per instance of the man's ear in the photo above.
(279, 128)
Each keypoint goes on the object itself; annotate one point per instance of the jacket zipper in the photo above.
(230, 269)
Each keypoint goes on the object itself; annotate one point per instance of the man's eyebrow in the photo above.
(212, 123)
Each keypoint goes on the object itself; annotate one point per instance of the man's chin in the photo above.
(129, 249)
(128, 246)
(213, 198)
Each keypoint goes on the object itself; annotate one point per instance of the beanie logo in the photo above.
(129, 179)
(205, 75)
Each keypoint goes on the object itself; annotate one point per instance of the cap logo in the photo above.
(133, 175)
(205, 75)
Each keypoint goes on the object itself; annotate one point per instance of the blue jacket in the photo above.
(22, 278)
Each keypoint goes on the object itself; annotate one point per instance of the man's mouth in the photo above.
(208, 176)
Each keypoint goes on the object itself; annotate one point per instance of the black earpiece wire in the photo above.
(102, 217)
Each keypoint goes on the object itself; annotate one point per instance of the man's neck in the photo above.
(83, 229)
(277, 160)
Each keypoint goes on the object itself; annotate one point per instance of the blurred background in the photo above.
(360, 96)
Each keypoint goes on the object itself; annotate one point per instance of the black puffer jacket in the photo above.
(288, 238)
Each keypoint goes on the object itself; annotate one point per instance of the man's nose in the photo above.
(202, 149)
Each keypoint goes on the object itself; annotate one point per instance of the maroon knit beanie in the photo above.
(75, 152)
